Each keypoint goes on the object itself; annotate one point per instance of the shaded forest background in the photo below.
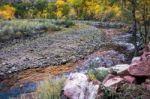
(104, 10)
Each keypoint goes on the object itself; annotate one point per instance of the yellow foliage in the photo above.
(39, 14)
(59, 13)
(7, 12)
(92, 76)
(44, 14)
(93, 8)
(72, 13)
(117, 10)
(71, 2)
(110, 12)
(97, 9)
(60, 2)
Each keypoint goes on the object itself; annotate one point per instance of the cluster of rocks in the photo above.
(101, 59)
(78, 85)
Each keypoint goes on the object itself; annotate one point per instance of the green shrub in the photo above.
(66, 23)
(97, 74)
(51, 89)
(18, 28)
(22, 9)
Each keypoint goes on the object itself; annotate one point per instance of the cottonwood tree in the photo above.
(133, 4)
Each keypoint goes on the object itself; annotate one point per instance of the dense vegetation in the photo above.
(74, 9)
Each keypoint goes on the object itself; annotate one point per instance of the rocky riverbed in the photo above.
(50, 49)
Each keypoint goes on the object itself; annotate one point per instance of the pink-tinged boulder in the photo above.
(77, 86)
(141, 67)
(129, 79)
(113, 82)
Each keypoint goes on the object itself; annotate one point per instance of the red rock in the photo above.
(142, 67)
(115, 81)
(129, 79)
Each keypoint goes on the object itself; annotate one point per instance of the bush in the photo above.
(97, 74)
(22, 9)
(66, 23)
(20, 28)
(7, 12)
(51, 89)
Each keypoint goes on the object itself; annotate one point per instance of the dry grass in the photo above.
(51, 89)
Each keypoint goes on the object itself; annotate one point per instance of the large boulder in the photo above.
(78, 86)
(141, 66)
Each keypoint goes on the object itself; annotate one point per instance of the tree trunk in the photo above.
(134, 26)
(145, 25)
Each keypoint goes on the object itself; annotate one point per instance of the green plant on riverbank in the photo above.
(98, 74)
(51, 89)
(22, 28)
(66, 23)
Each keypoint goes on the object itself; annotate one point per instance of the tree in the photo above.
(133, 4)
(22, 9)
(7, 12)
(51, 10)
(134, 25)
(145, 10)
